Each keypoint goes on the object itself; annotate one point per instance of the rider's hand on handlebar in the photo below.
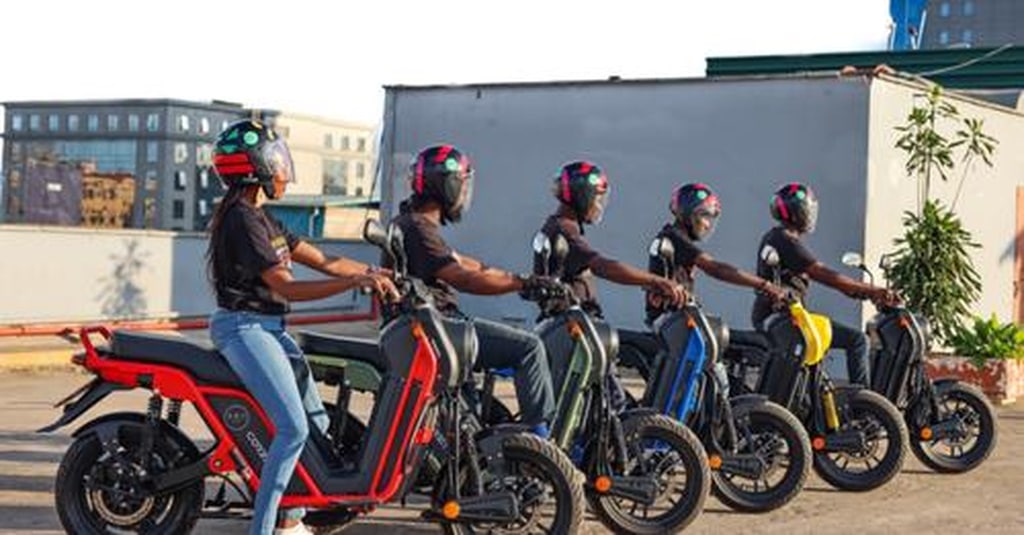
(539, 287)
(773, 292)
(381, 284)
(884, 297)
(668, 289)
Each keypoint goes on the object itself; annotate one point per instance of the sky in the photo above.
(331, 58)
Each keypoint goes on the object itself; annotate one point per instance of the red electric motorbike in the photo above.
(140, 472)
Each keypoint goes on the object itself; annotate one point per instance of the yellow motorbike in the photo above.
(857, 435)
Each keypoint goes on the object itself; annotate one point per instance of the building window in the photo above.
(359, 191)
(335, 177)
(180, 153)
(93, 123)
(152, 152)
(968, 8)
(204, 125)
(179, 209)
(152, 122)
(72, 123)
(204, 154)
(967, 36)
(17, 123)
(344, 143)
(183, 123)
(53, 123)
(203, 207)
(113, 123)
(328, 141)
(224, 125)
(34, 122)
(133, 123)
(360, 170)
(943, 37)
(944, 9)
(180, 180)
(361, 145)
(204, 178)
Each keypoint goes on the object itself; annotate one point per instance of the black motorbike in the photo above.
(646, 473)
(857, 435)
(952, 424)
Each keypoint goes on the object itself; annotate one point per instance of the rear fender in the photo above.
(93, 392)
(742, 404)
(637, 413)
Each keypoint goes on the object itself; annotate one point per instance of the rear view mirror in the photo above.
(560, 249)
(373, 232)
(770, 256)
(663, 250)
(852, 259)
(541, 254)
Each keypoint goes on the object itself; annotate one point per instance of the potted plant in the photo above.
(989, 354)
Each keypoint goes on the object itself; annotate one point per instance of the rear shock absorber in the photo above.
(174, 411)
(828, 399)
(155, 407)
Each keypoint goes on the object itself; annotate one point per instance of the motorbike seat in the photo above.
(202, 361)
(752, 347)
(360, 349)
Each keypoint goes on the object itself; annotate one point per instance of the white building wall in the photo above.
(987, 204)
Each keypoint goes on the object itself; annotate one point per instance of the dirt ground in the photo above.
(987, 500)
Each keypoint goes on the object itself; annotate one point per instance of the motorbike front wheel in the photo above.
(546, 486)
(101, 490)
(660, 448)
(972, 438)
(880, 459)
(777, 440)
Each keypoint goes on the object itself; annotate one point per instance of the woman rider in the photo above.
(249, 260)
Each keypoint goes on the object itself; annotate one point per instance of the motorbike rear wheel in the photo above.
(975, 437)
(100, 491)
(881, 458)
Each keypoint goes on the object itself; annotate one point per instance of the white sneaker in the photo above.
(297, 529)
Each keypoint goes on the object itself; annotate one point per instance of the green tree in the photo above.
(931, 266)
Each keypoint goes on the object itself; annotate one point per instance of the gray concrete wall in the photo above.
(987, 205)
(73, 274)
(744, 137)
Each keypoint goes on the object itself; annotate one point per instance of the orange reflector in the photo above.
(926, 433)
(425, 435)
(603, 484)
(417, 330)
(714, 462)
(690, 324)
(904, 323)
(451, 510)
(575, 330)
(818, 443)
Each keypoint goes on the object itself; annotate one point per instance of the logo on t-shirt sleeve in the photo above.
(280, 245)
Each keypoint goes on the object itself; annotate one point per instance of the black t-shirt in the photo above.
(575, 270)
(426, 253)
(794, 259)
(249, 242)
(685, 261)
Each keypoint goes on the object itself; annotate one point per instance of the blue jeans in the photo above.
(271, 365)
(504, 346)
